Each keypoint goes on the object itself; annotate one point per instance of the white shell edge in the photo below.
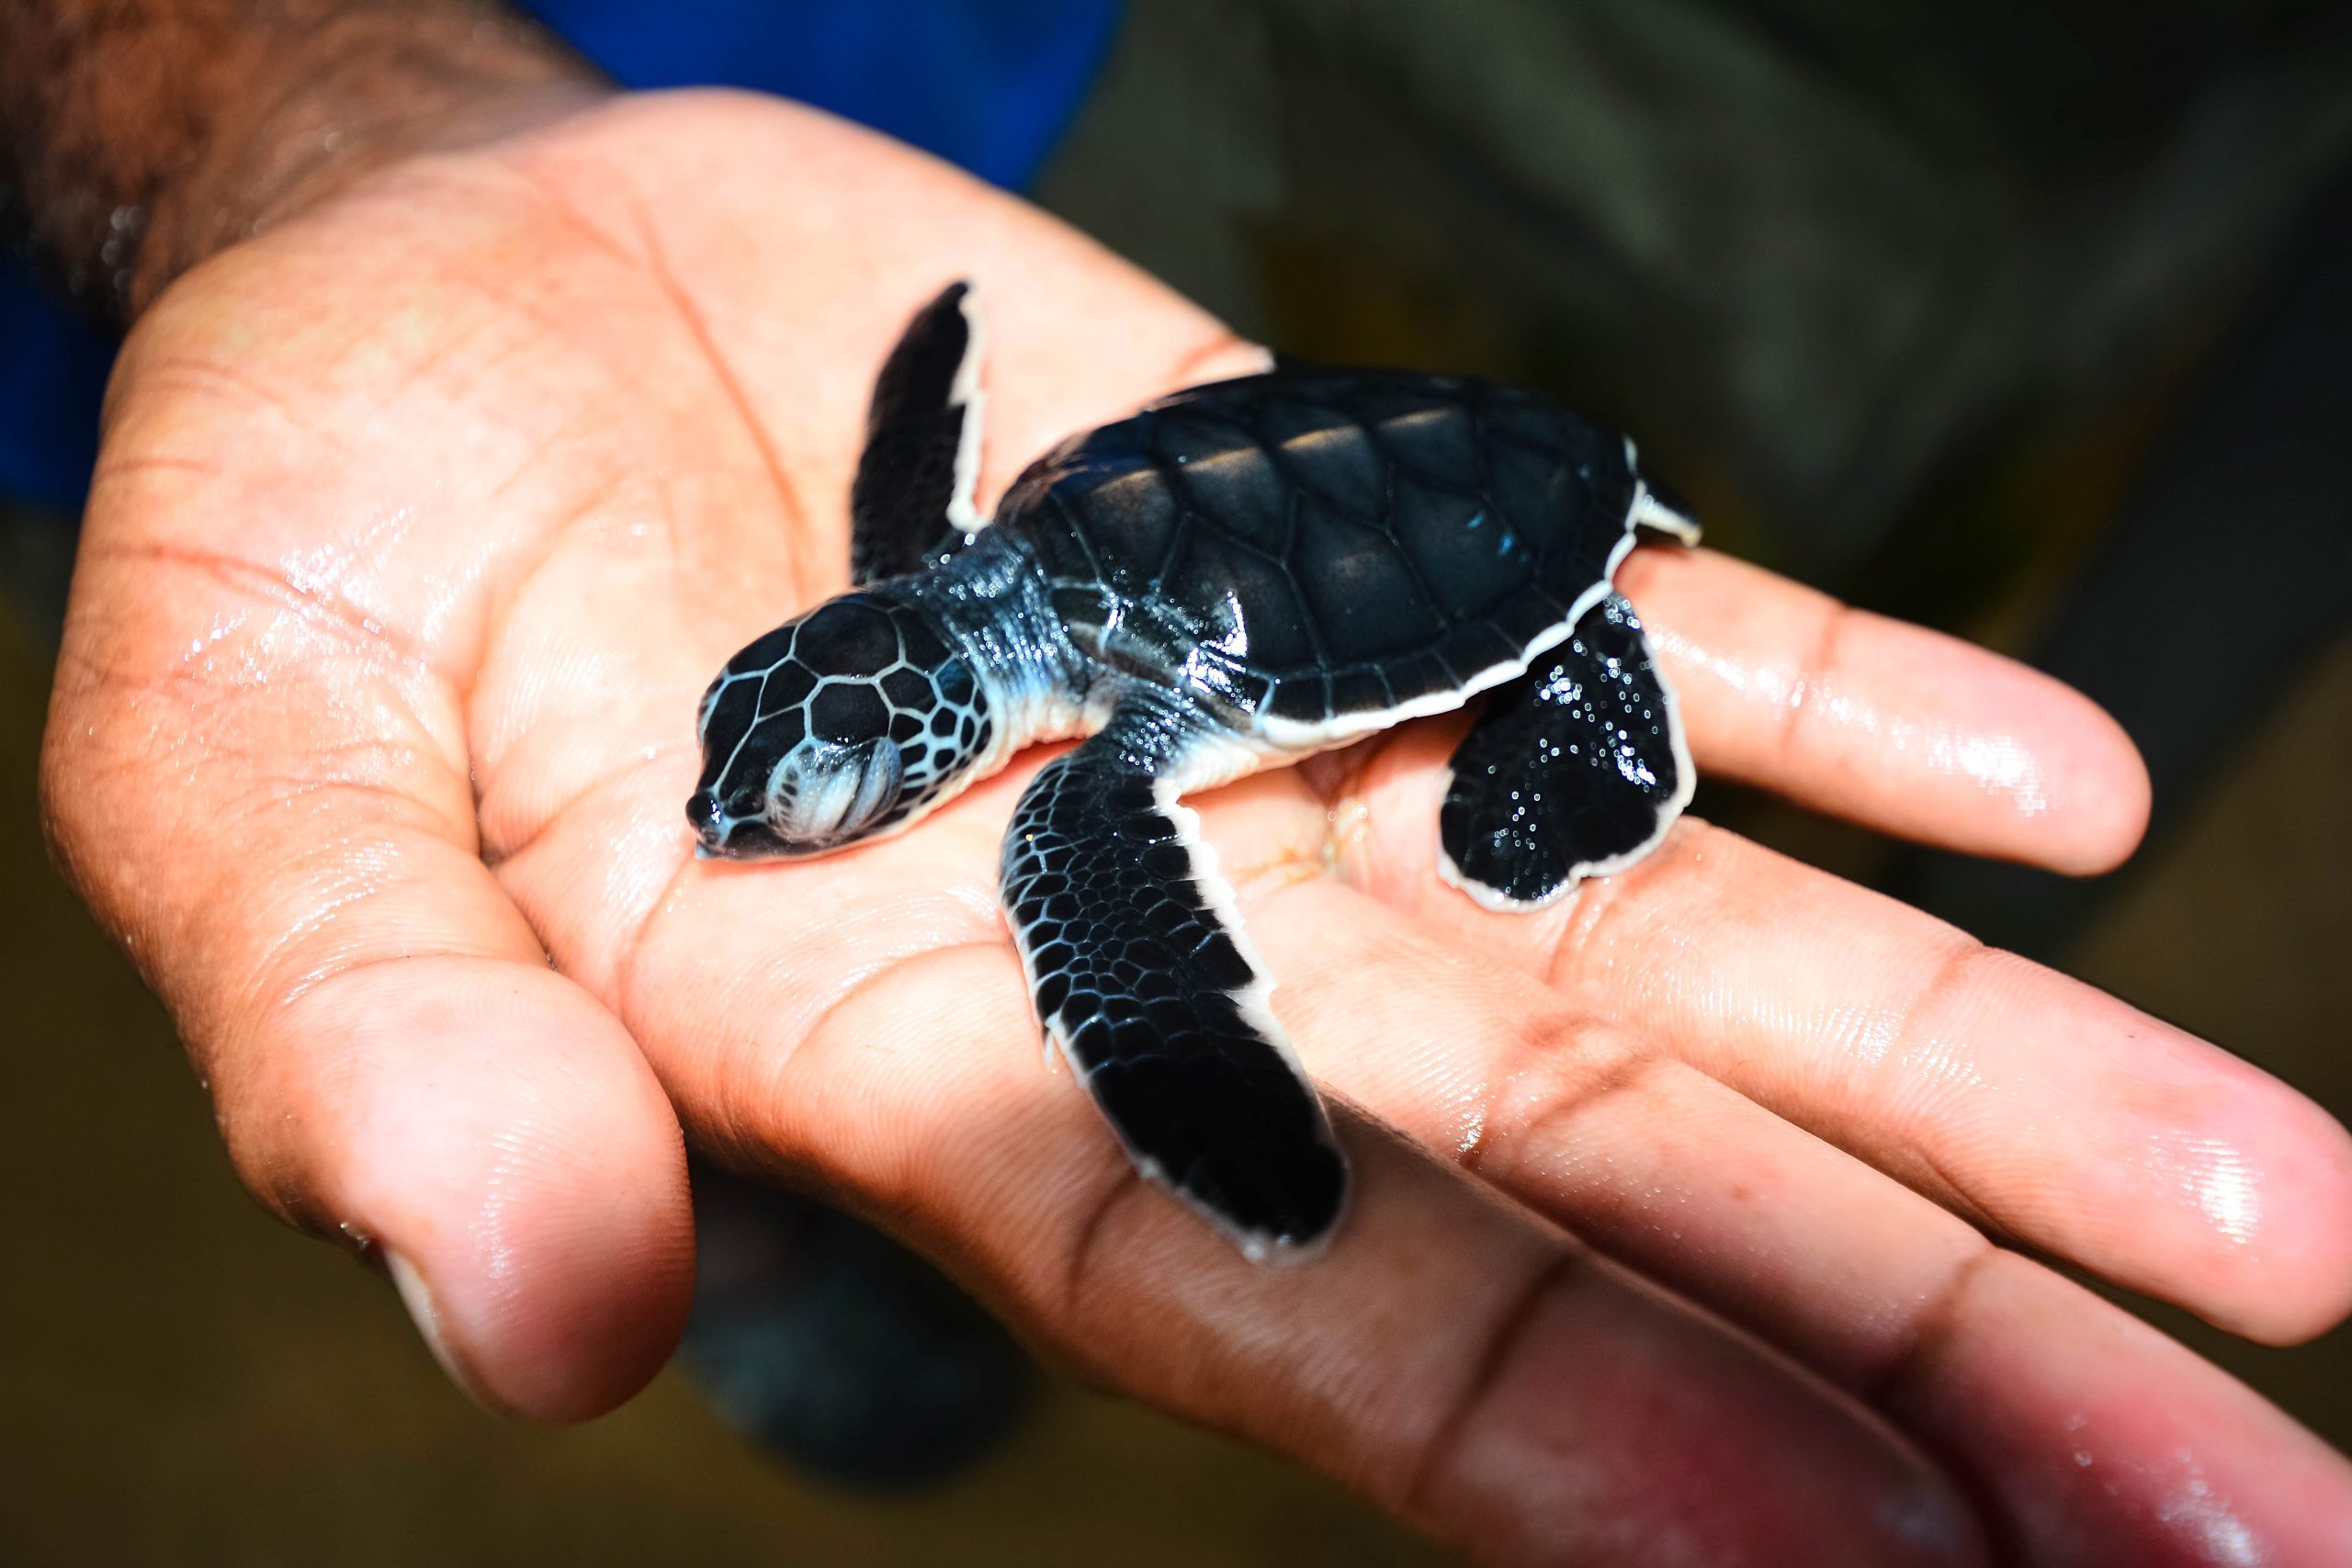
(1289, 734)
(1648, 512)
(1253, 1001)
(1686, 784)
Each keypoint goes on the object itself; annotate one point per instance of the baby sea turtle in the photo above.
(1241, 574)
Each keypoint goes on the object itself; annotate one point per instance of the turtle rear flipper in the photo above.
(1576, 770)
(910, 503)
(1142, 978)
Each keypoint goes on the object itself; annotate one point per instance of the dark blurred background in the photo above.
(2026, 319)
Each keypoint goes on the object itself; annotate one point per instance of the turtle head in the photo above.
(850, 721)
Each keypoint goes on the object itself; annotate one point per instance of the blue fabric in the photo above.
(986, 84)
(53, 370)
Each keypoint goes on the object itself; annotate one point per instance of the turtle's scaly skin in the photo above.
(1320, 550)
(860, 674)
(1156, 1001)
(1244, 572)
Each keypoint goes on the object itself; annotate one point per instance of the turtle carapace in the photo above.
(1239, 575)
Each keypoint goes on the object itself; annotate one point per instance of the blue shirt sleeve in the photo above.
(53, 372)
(986, 84)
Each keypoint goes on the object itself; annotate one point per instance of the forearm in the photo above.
(137, 137)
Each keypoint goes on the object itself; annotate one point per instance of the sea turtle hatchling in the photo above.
(1241, 574)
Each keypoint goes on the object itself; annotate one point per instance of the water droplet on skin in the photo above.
(2227, 1191)
(1473, 1133)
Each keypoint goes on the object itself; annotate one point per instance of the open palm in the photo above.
(423, 519)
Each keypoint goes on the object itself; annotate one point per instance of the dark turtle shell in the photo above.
(1317, 546)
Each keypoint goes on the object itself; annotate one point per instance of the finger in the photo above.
(1891, 725)
(1460, 1363)
(2049, 1109)
(275, 827)
(2093, 1440)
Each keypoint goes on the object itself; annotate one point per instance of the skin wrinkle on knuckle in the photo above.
(1438, 1452)
(311, 950)
(627, 965)
(1906, 1069)
(1553, 1067)
(1249, 1375)
(654, 758)
(1528, 1114)
(1088, 1263)
(1816, 680)
(1896, 1379)
(1923, 1168)
(1580, 955)
(1918, 1059)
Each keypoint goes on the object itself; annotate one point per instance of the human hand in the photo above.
(423, 518)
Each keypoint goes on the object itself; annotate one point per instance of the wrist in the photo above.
(148, 136)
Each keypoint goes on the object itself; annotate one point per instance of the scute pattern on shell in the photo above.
(1304, 545)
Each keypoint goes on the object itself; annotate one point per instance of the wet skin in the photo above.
(370, 705)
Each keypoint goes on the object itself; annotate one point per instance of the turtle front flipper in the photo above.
(1576, 770)
(1143, 979)
(910, 503)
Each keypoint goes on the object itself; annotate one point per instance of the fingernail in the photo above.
(416, 1296)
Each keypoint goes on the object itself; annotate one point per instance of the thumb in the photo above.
(391, 1058)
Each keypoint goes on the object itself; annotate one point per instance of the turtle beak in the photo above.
(703, 815)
